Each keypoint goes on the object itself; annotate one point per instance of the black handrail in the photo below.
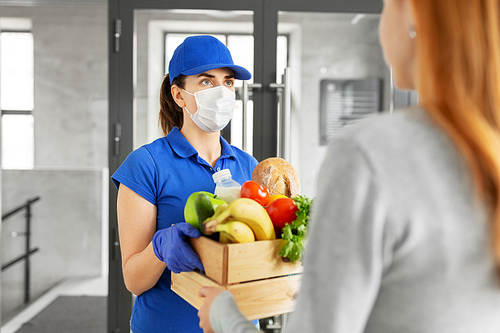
(20, 208)
(18, 259)
(28, 251)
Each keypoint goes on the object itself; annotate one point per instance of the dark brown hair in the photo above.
(171, 114)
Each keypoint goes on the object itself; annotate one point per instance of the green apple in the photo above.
(190, 210)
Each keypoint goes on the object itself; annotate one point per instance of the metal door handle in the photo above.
(284, 117)
(279, 109)
(244, 109)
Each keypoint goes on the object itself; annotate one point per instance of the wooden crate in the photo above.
(262, 283)
(256, 299)
(233, 263)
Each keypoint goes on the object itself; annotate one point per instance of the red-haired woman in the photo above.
(405, 233)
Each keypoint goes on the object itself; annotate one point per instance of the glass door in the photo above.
(335, 75)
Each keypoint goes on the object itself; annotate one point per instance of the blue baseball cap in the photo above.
(198, 54)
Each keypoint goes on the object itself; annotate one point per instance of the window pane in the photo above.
(241, 47)
(17, 87)
(171, 43)
(18, 142)
(281, 57)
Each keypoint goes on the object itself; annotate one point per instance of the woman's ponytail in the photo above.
(171, 114)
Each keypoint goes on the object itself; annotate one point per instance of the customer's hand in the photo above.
(170, 246)
(210, 293)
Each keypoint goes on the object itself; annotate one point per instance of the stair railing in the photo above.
(28, 250)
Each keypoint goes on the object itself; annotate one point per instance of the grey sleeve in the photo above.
(225, 317)
(343, 259)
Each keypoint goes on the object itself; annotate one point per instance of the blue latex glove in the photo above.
(170, 246)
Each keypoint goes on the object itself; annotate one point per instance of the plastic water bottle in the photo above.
(226, 187)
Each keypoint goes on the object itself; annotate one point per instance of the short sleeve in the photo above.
(139, 173)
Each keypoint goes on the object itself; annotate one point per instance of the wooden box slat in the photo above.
(233, 263)
(266, 298)
(213, 255)
(188, 284)
(258, 260)
(256, 299)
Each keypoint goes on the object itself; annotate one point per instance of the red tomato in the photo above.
(255, 191)
(282, 211)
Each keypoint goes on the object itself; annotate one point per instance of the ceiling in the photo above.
(53, 2)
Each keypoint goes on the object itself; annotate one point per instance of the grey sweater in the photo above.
(397, 242)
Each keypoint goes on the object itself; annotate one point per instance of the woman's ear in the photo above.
(409, 17)
(177, 96)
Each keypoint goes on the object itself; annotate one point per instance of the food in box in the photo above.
(262, 283)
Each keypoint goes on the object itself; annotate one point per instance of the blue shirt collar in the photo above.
(227, 150)
(184, 149)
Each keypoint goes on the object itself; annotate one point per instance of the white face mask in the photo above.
(215, 108)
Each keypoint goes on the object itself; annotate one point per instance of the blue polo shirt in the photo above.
(165, 172)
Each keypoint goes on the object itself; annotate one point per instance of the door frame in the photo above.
(121, 94)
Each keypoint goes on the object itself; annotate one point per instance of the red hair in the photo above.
(458, 80)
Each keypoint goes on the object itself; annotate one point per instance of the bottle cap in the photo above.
(221, 175)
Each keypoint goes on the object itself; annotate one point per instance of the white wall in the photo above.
(65, 226)
(71, 120)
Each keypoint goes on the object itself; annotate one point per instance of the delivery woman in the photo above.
(196, 102)
(405, 232)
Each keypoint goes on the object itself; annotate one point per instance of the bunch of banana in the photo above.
(234, 221)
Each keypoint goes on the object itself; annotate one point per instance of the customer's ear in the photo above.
(409, 16)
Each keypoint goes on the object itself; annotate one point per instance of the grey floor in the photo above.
(71, 314)
(74, 305)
